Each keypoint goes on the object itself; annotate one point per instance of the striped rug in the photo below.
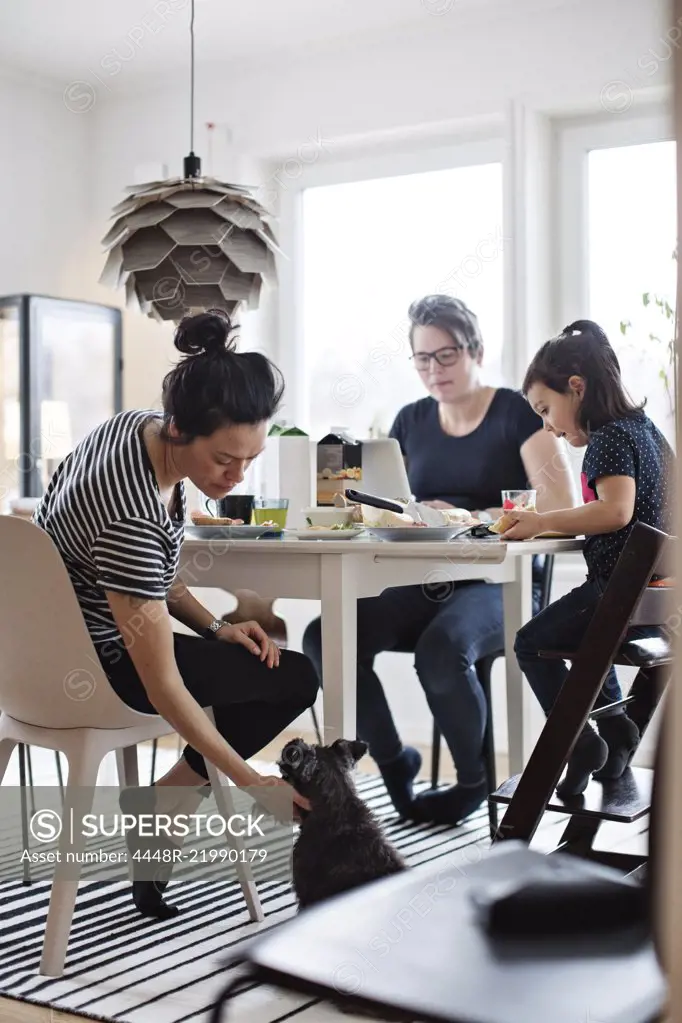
(124, 968)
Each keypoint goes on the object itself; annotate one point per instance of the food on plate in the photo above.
(338, 526)
(459, 517)
(381, 518)
(199, 519)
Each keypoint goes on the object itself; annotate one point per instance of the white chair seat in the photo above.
(54, 694)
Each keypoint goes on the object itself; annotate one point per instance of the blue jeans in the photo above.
(449, 627)
(562, 626)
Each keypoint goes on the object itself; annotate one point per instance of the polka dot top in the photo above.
(628, 447)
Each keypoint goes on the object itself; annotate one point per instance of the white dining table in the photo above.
(338, 572)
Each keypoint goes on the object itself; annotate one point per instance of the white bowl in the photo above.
(328, 516)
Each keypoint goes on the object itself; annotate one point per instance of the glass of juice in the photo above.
(519, 499)
(270, 509)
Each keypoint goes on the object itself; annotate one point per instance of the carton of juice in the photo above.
(339, 465)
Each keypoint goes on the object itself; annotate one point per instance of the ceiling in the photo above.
(63, 40)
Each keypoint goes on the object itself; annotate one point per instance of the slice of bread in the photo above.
(210, 520)
(502, 524)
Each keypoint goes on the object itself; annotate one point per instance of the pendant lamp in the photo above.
(189, 244)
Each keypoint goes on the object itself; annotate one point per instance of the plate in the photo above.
(225, 532)
(325, 534)
(414, 534)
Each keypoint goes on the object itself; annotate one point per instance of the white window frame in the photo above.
(574, 141)
(362, 166)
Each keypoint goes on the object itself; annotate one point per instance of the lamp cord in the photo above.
(191, 113)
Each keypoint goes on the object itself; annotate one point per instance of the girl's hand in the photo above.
(254, 638)
(524, 525)
(279, 798)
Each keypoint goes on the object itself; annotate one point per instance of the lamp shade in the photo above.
(186, 245)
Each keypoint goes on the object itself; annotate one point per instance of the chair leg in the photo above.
(646, 691)
(155, 746)
(84, 766)
(484, 669)
(126, 763)
(316, 726)
(29, 765)
(435, 756)
(225, 805)
(21, 750)
(60, 778)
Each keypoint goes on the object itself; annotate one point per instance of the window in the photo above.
(618, 233)
(632, 238)
(370, 247)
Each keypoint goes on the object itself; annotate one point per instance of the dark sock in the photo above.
(448, 805)
(621, 735)
(589, 754)
(147, 892)
(398, 775)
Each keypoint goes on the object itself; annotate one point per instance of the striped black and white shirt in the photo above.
(104, 512)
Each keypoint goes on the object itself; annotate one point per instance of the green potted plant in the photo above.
(664, 338)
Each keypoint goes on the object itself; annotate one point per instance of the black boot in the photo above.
(621, 735)
(150, 878)
(589, 754)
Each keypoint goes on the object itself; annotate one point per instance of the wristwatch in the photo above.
(211, 631)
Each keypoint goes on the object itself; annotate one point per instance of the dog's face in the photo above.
(319, 769)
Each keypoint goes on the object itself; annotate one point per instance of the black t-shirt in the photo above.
(628, 447)
(467, 472)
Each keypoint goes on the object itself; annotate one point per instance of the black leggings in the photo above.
(252, 703)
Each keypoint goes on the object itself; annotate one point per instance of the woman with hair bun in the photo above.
(115, 509)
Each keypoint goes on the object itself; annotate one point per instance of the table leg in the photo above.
(338, 588)
(518, 606)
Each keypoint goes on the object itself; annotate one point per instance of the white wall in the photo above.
(44, 175)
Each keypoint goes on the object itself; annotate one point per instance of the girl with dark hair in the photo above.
(574, 385)
(463, 444)
(115, 509)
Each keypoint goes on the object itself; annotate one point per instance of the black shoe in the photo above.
(590, 753)
(447, 805)
(150, 878)
(398, 776)
(621, 735)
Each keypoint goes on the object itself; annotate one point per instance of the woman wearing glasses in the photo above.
(463, 444)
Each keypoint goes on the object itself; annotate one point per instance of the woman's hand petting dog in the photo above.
(279, 798)
(254, 638)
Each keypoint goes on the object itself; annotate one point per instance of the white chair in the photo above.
(55, 695)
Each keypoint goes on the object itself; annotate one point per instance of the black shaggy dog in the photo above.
(340, 844)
